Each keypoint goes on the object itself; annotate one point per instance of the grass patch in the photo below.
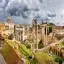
(24, 50)
(43, 58)
(11, 55)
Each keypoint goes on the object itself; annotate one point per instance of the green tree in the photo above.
(40, 45)
(62, 43)
(10, 37)
(50, 29)
(59, 59)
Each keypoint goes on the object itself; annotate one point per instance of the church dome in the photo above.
(9, 20)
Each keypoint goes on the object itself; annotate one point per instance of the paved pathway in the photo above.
(2, 61)
(51, 45)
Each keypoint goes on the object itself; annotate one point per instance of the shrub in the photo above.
(10, 37)
(40, 45)
(63, 43)
(59, 59)
(28, 46)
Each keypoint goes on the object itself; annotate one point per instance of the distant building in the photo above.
(59, 30)
(9, 20)
(9, 27)
(44, 28)
(2, 27)
(9, 24)
(46, 33)
(19, 32)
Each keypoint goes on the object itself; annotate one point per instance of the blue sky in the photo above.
(23, 11)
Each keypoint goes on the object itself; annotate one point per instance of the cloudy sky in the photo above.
(23, 11)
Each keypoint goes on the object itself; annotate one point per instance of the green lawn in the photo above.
(24, 50)
(43, 57)
(10, 55)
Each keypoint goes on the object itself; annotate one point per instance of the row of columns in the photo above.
(44, 33)
(56, 52)
(19, 32)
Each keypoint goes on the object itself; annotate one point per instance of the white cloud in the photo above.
(28, 9)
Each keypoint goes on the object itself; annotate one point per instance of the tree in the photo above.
(28, 46)
(51, 24)
(63, 43)
(40, 45)
(10, 37)
(59, 60)
(50, 29)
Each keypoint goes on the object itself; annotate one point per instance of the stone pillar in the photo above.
(46, 35)
(31, 46)
(23, 33)
(43, 33)
(28, 31)
(37, 37)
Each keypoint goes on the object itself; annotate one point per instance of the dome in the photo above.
(9, 20)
